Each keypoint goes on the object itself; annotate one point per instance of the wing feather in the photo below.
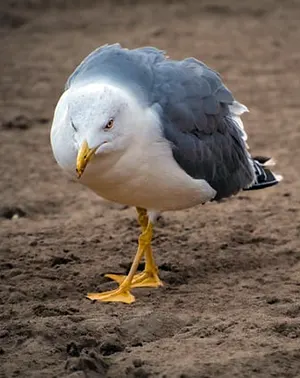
(201, 119)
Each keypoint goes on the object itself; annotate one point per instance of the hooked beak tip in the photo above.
(79, 173)
(85, 154)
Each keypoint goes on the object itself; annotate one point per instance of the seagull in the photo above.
(157, 134)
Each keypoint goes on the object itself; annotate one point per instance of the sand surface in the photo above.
(230, 305)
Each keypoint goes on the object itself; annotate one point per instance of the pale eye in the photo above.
(109, 124)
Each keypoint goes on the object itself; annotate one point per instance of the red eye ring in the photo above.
(109, 124)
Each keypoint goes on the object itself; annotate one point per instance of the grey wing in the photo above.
(206, 141)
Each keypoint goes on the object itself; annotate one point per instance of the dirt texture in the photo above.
(230, 304)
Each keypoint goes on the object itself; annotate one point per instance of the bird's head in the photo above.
(101, 121)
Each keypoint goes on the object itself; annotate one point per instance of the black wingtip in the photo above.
(264, 176)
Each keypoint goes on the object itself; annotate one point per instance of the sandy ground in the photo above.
(230, 305)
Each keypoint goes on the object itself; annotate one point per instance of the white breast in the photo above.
(146, 175)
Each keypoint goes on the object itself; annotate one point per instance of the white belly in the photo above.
(150, 179)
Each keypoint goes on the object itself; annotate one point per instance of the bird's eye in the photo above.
(109, 124)
(72, 124)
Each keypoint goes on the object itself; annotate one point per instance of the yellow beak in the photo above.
(84, 156)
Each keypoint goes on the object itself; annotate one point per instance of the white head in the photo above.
(93, 121)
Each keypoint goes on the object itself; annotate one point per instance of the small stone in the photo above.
(110, 346)
(137, 362)
(141, 373)
(292, 335)
(12, 212)
(72, 349)
(59, 260)
(3, 333)
(272, 300)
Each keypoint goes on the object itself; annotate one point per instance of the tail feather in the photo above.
(264, 176)
(265, 161)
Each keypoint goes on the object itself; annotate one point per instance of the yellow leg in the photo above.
(149, 277)
(122, 293)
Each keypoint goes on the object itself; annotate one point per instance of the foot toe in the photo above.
(116, 277)
(112, 296)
